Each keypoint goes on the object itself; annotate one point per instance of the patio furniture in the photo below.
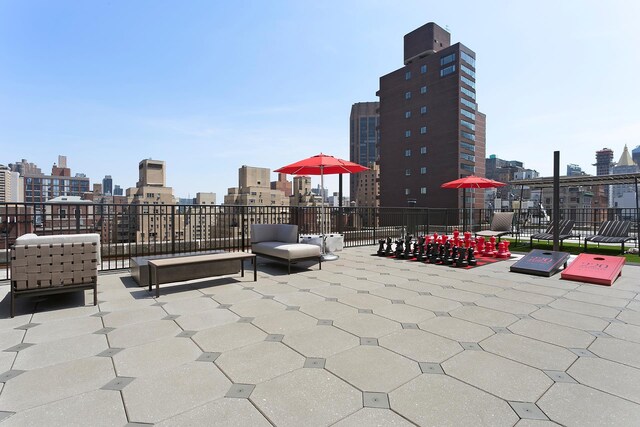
(501, 225)
(611, 232)
(51, 268)
(179, 269)
(565, 226)
(280, 242)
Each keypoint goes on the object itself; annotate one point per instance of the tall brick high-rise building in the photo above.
(364, 137)
(431, 130)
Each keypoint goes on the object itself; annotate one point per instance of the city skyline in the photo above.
(209, 87)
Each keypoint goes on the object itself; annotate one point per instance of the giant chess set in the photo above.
(454, 251)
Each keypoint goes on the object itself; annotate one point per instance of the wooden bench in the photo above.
(170, 270)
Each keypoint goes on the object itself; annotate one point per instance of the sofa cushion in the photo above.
(287, 233)
(274, 233)
(33, 239)
(288, 251)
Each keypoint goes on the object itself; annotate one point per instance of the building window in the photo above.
(407, 114)
(468, 157)
(423, 110)
(407, 75)
(468, 59)
(423, 190)
(467, 114)
(407, 133)
(407, 153)
(423, 150)
(468, 135)
(468, 92)
(468, 81)
(423, 69)
(447, 59)
(468, 103)
(468, 71)
(466, 167)
(423, 170)
(423, 90)
(407, 172)
(467, 146)
(423, 130)
(407, 95)
(468, 125)
(407, 192)
(449, 70)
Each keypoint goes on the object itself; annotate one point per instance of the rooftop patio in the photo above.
(364, 341)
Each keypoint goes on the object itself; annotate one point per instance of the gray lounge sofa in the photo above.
(280, 242)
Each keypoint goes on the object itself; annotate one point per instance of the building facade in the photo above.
(39, 188)
(431, 130)
(11, 185)
(364, 137)
(107, 185)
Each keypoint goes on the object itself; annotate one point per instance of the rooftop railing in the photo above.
(141, 230)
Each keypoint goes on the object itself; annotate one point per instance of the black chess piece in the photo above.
(399, 248)
(471, 259)
(408, 251)
(416, 247)
(430, 255)
(381, 248)
(462, 259)
(387, 249)
(441, 254)
(453, 259)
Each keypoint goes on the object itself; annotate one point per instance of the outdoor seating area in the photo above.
(611, 232)
(565, 228)
(366, 340)
(280, 242)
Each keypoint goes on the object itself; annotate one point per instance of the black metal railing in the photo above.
(140, 230)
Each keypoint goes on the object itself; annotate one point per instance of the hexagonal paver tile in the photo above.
(625, 332)
(142, 333)
(363, 301)
(528, 297)
(235, 296)
(258, 307)
(44, 385)
(572, 320)
(456, 329)
(597, 299)
(298, 298)
(630, 316)
(190, 305)
(484, 316)
(102, 407)
(172, 394)
(10, 337)
(420, 346)
(367, 325)
(222, 412)
(578, 405)
(63, 328)
(617, 350)
(276, 289)
(367, 417)
(259, 362)
(607, 376)
(206, 319)
(127, 317)
(321, 341)
(458, 295)
(394, 293)
(372, 368)
(584, 308)
(404, 313)
(497, 375)
(326, 398)
(327, 310)
(531, 352)
(135, 361)
(450, 403)
(285, 322)
(508, 306)
(552, 333)
(227, 337)
(53, 352)
(433, 303)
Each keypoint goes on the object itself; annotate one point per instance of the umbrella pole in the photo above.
(325, 256)
(464, 209)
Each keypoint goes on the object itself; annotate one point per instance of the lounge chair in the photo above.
(501, 225)
(611, 232)
(565, 226)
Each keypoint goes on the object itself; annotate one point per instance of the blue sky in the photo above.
(210, 86)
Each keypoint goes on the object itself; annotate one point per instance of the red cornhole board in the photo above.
(591, 268)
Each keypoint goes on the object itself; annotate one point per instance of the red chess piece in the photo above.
(480, 245)
(435, 236)
(427, 239)
(467, 239)
(502, 253)
(444, 239)
(506, 249)
(490, 247)
(456, 237)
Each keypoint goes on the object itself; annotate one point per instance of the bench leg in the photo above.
(241, 268)
(13, 304)
(255, 269)
(320, 263)
(95, 293)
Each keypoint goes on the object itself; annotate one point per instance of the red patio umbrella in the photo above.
(470, 181)
(322, 165)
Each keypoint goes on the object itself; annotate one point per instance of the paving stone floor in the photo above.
(365, 341)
